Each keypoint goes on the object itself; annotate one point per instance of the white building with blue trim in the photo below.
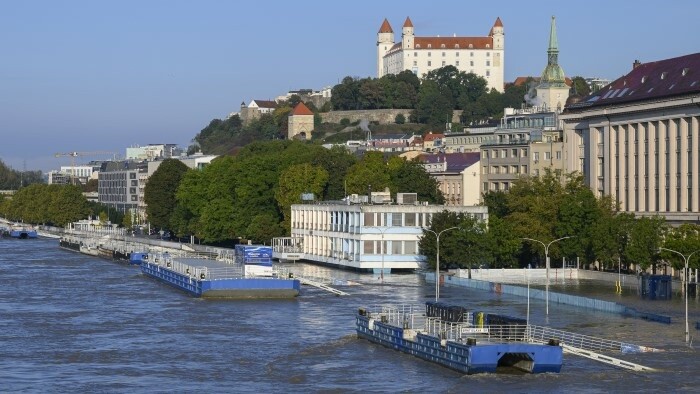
(362, 236)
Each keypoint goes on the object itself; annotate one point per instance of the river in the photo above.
(76, 323)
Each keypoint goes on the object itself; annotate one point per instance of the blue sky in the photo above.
(103, 75)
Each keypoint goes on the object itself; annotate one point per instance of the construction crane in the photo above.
(73, 155)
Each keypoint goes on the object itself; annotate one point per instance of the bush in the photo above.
(345, 122)
(400, 119)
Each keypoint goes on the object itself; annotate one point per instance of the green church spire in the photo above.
(553, 74)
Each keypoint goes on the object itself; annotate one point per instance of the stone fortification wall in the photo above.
(381, 116)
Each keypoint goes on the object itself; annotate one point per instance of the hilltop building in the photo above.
(300, 123)
(483, 56)
(638, 139)
(255, 109)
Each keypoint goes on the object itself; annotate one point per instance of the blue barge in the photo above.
(457, 343)
(23, 233)
(207, 278)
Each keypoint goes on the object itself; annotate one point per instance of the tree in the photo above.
(371, 172)
(580, 86)
(462, 247)
(336, 161)
(686, 240)
(645, 239)
(400, 119)
(433, 107)
(159, 194)
(293, 182)
(410, 177)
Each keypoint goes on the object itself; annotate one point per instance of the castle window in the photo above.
(644, 79)
(415, 54)
(457, 54)
(417, 46)
(471, 46)
(430, 45)
(488, 53)
(443, 54)
(663, 75)
(488, 46)
(415, 63)
(488, 73)
(488, 63)
(443, 63)
(442, 46)
(429, 63)
(456, 46)
(471, 63)
(457, 63)
(429, 53)
(471, 53)
(685, 71)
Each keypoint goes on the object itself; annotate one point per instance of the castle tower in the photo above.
(552, 90)
(497, 34)
(407, 34)
(385, 40)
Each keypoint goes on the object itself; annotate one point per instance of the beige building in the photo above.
(457, 175)
(300, 123)
(483, 56)
(637, 139)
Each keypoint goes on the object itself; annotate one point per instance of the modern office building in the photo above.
(638, 139)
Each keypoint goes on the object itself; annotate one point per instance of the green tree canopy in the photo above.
(159, 194)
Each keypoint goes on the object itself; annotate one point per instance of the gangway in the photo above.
(311, 282)
(606, 359)
(588, 346)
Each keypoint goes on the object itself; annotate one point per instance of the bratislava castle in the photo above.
(483, 56)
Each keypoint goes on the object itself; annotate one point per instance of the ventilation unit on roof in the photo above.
(406, 198)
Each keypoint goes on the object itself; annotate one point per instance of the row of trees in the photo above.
(46, 204)
(249, 195)
(433, 98)
(12, 180)
(547, 208)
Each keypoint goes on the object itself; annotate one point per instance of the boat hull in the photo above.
(234, 288)
(464, 358)
(23, 234)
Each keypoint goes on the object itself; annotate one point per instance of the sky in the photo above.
(100, 76)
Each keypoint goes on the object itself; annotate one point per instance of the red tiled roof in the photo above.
(433, 136)
(386, 27)
(654, 80)
(301, 109)
(498, 22)
(453, 42)
(408, 22)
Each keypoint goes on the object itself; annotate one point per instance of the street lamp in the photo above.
(437, 260)
(546, 254)
(685, 289)
(382, 232)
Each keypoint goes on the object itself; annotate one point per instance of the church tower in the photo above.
(407, 34)
(552, 90)
(497, 34)
(385, 40)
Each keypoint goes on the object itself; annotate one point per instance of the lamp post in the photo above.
(437, 259)
(685, 288)
(546, 255)
(382, 252)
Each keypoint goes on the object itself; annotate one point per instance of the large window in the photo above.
(396, 220)
(410, 247)
(369, 219)
(410, 219)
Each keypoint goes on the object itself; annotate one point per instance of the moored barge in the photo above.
(455, 339)
(209, 278)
